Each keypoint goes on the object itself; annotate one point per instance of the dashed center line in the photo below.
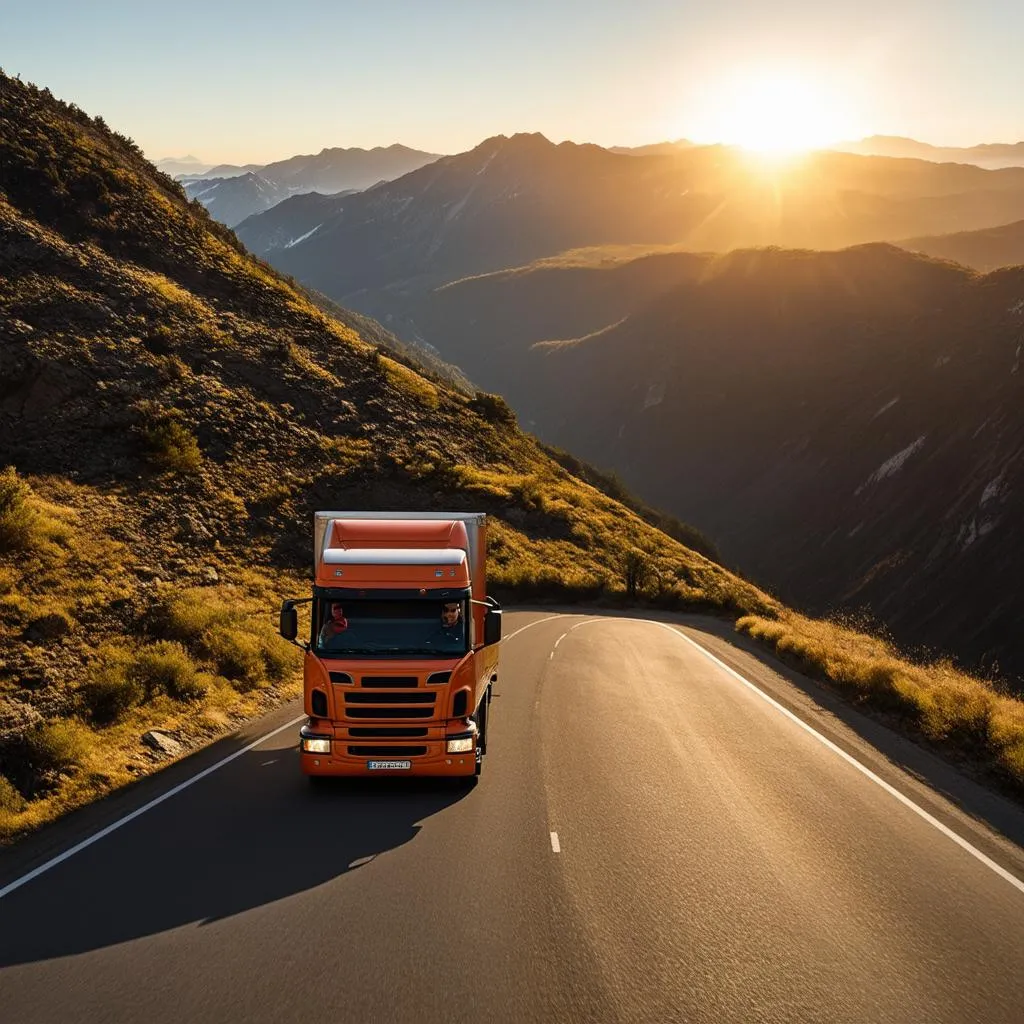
(556, 846)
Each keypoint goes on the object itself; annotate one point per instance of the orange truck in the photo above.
(402, 654)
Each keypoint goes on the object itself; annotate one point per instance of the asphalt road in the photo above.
(652, 840)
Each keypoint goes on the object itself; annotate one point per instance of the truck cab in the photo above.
(402, 653)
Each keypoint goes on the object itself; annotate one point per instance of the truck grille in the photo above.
(387, 751)
(382, 682)
(386, 704)
(386, 713)
(420, 697)
(396, 732)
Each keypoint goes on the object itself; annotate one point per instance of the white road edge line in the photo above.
(114, 826)
(556, 846)
(891, 790)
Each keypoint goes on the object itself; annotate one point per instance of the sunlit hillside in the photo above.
(172, 413)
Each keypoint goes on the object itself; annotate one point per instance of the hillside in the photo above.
(511, 201)
(986, 249)
(862, 409)
(171, 413)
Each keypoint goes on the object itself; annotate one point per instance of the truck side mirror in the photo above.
(492, 626)
(289, 627)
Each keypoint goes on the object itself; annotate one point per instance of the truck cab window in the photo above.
(369, 628)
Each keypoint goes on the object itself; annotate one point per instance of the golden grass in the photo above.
(199, 661)
(939, 701)
(410, 382)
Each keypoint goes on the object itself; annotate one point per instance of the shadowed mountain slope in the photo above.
(987, 249)
(231, 200)
(848, 426)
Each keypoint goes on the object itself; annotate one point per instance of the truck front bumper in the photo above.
(429, 757)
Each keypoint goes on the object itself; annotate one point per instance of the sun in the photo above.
(774, 114)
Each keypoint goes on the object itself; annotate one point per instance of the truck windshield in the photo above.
(366, 628)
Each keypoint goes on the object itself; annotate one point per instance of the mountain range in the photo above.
(513, 200)
(990, 155)
(233, 193)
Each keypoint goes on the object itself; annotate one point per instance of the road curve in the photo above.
(651, 841)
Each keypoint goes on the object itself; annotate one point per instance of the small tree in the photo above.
(636, 570)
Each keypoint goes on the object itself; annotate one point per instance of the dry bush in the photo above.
(172, 446)
(11, 801)
(111, 690)
(55, 747)
(165, 667)
(18, 519)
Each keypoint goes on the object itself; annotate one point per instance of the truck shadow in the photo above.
(254, 833)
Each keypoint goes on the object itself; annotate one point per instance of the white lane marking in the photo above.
(567, 632)
(273, 760)
(114, 826)
(536, 622)
(906, 801)
(556, 846)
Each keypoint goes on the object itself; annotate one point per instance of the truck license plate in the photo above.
(379, 765)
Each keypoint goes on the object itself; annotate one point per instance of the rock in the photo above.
(210, 575)
(146, 572)
(162, 743)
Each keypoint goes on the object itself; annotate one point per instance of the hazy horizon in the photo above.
(236, 83)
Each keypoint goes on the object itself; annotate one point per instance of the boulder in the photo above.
(162, 743)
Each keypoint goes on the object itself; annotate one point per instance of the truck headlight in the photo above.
(316, 745)
(460, 745)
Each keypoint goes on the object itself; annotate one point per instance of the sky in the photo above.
(252, 82)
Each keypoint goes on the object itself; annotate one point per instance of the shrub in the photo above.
(279, 660)
(17, 517)
(111, 690)
(493, 408)
(56, 746)
(636, 571)
(165, 667)
(51, 625)
(173, 446)
(238, 655)
(11, 801)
